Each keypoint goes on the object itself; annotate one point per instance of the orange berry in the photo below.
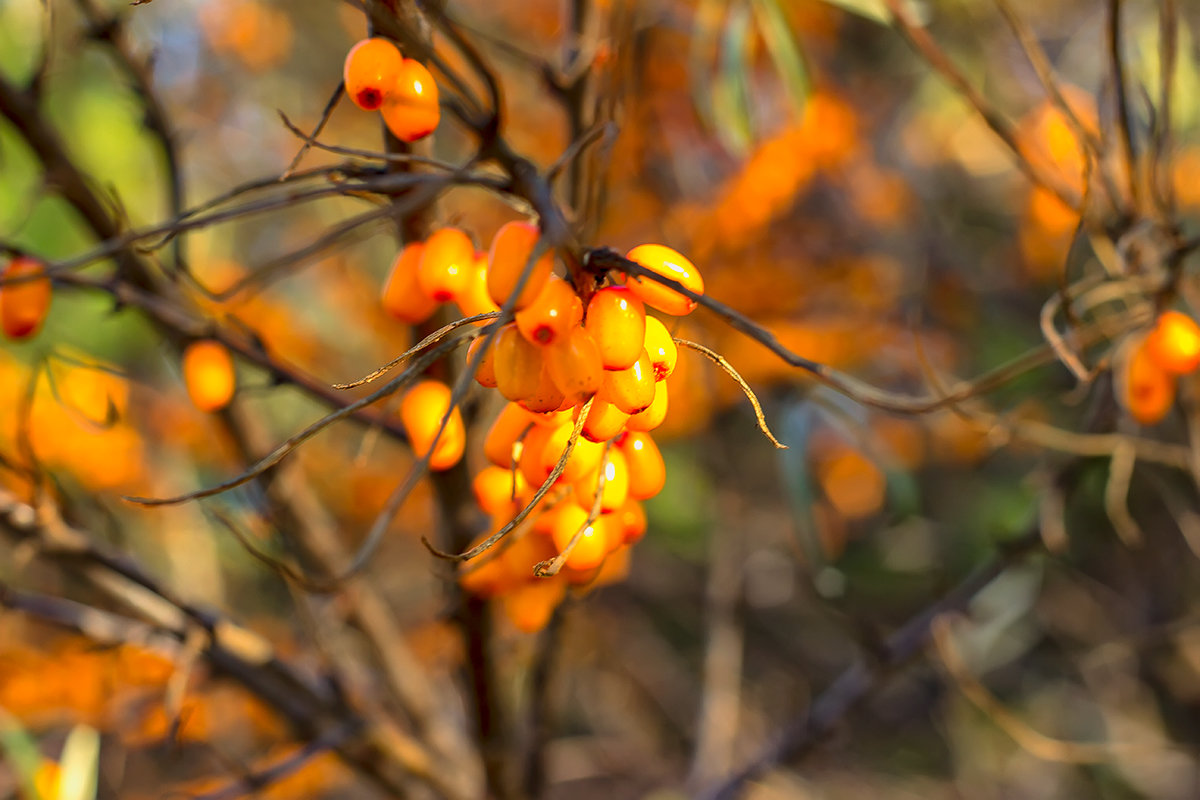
(446, 264)
(1174, 344)
(23, 306)
(500, 443)
(585, 456)
(631, 390)
(411, 109)
(530, 605)
(592, 546)
(653, 416)
(631, 519)
(661, 348)
(574, 364)
(1144, 389)
(370, 72)
(402, 295)
(497, 489)
(616, 484)
(545, 397)
(647, 470)
(485, 373)
(518, 364)
(604, 421)
(616, 319)
(208, 374)
(531, 462)
(552, 314)
(421, 412)
(553, 419)
(474, 298)
(511, 249)
(670, 264)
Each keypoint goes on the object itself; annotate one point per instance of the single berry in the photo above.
(410, 110)
(485, 372)
(616, 319)
(661, 348)
(370, 72)
(653, 416)
(1144, 389)
(421, 413)
(552, 314)
(670, 264)
(208, 374)
(631, 390)
(647, 470)
(574, 364)
(24, 305)
(511, 249)
(446, 265)
(1174, 344)
(501, 444)
(518, 364)
(474, 298)
(402, 295)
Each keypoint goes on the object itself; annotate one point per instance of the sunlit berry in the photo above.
(497, 489)
(474, 298)
(446, 264)
(552, 419)
(485, 372)
(604, 421)
(631, 519)
(555, 311)
(647, 470)
(531, 462)
(661, 348)
(518, 364)
(670, 264)
(24, 305)
(421, 411)
(410, 110)
(631, 390)
(501, 444)
(507, 260)
(545, 397)
(1143, 388)
(616, 484)
(585, 456)
(402, 294)
(370, 72)
(208, 374)
(616, 319)
(1174, 344)
(574, 364)
(530, 605)
(653, 416)
(592, 546)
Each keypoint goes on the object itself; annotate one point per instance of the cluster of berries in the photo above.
(557, 360)
(378, 78)
(1151, 365)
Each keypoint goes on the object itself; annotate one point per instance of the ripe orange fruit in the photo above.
(661, 348)
(616, 319)
(500, 443)
(552, 314)
(546, 397)
(402, 295)
(592, 546)
(370, 72)
(653, 416)
(670, 264)
(208, 374)
(616, 484)
(474, 298)
(485, 373)
(530, 605)
(631, 390)
(411, 110)
(446, 264)
(511, 249)
(518, 364)
(1144, 389)
(604, 421)
(647, 470)
(497, 489)
(585, 457)
(1174, 344)
(574, 364)
(631, 519)
(24, 305)
(531, 462)
(421, 412)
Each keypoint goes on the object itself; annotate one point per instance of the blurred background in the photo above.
(828, 184)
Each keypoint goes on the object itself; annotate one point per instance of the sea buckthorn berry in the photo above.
(446, 264)
(552, 419)
(485, 373)
(402, 295)
(653, 416)
(592, 546)
(616, 484)
(524, 552)
(23, 306)
(616, 319)
(631, 519)
(604, 421)
(411, 109)
(500, 442)
(545, 397)
(574, 364)
(530, 605)
(530, 462)
(518, 364)
(670, 264)
(474, 298)
(370, 72)
(1144, 389)
(555, 311)
(511, 248)
(1174, 344)
(485, 578)
(497, 489)
(661, 347)
(421, 412)
(585, 456)
(631, 390)
(208, 374)
(647, 470)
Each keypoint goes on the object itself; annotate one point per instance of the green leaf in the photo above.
(781, 44)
